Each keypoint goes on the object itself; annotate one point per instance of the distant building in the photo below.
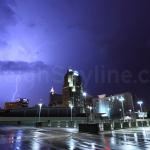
(113, 106)
(102, 105)
(116, 105)
(20, 103)
(55, 99)
(73, 89)
(88, 100)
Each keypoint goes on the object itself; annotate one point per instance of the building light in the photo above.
(70, 70)
(75, 73)
(104, 115)
(73, 89)
(71, 84)
(69, 78)
(52, 90)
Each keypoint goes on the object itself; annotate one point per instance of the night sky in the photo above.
(41, 39)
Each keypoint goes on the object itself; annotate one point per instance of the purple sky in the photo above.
(40, 39)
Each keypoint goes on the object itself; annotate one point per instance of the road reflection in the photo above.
(18, 139)
(68, 139)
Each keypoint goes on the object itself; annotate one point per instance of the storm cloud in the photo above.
(7, 14)
(7, 18)
(36, 36)
(22, 67)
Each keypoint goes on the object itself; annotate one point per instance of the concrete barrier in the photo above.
(107, 127)
(125, 125)
(140, 123)
(117, 125)
(38, 124)
(54, 124)
(144, 123)
(89, 128)
(133, 124)
(64, 122)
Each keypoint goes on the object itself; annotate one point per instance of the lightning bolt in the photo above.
(16, 87)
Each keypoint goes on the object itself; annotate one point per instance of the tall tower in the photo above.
(51, 96)
(73, 89)
(52, 91)
(55, 99)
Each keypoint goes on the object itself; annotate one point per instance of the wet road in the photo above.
(29, 138)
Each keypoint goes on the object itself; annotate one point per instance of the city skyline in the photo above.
(40, 40)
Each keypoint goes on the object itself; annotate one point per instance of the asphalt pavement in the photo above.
(30, 138)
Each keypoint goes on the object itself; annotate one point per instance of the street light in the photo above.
(90, 108)
(140, 103)
(120, 112)
(84, 94)
(121, 99)
(40, 106)
(130, 111)
(71, 107)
